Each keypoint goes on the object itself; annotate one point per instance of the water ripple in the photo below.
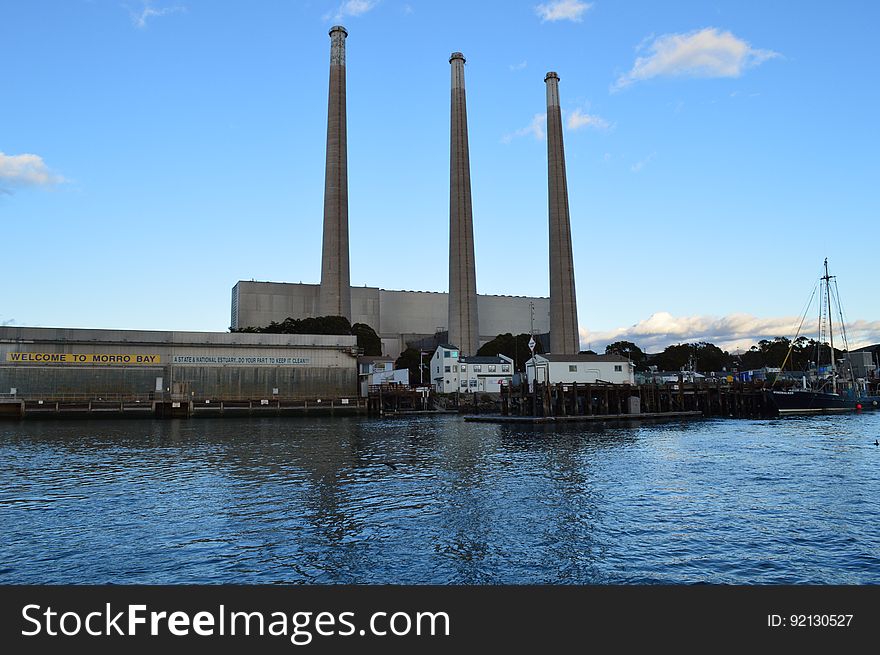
(438, 500)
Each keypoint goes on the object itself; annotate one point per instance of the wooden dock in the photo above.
(603, 402)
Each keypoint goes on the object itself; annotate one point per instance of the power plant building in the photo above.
(398, 317)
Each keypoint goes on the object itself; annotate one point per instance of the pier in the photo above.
(600, 402)
(86, 407)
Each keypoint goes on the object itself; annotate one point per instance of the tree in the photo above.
(411, 359)
(704, 356)
(515, 347)
(629, 350)
(367, 339)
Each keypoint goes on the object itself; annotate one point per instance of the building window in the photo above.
(618, 368)
(473, 383)
(572, 368)
(438, 370)
(491, 368)
(464, 368)
(455, 368)
(448, 369)
(464, 383)
(505, 368)
(477, 368)
(447, 353)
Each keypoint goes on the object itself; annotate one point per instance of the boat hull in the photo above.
(817, 402)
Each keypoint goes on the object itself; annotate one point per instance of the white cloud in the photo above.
(148, 11)
(535, 128)
(575, 121)
(639, 165)
(572, 10)
(578, 119)
(25, 170)
(8, 322)
(732, 332)
(519, 66)
(703, 53)
(355, 8)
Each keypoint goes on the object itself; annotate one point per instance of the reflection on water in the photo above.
(438, 500)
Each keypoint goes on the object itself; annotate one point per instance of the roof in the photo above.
(446, 346)
(584, 358)
(367, 359)
(484, 360)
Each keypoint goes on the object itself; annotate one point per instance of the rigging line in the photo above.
(836, 297)
(791, 345)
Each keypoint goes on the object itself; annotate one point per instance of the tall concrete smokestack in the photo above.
(463, 325)
(335, 293)
(564, 339)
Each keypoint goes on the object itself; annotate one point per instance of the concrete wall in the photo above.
(395, 315)
(199, 364)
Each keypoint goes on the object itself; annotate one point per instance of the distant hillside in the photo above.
(872, 349)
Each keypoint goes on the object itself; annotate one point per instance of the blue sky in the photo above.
(154, 153)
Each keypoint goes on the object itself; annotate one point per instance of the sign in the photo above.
(240, 360)
(91, 358)
(532, 344)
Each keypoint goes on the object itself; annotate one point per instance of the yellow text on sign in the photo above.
(72, 358)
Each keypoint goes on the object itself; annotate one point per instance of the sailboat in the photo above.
(833, 387)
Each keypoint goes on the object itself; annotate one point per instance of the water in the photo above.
(438, 500)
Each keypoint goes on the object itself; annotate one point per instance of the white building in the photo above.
(583, 369)
(379, 370)
(476, 374)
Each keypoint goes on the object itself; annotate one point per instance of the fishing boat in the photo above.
(831, 387)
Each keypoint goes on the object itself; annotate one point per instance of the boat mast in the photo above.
(827, 279)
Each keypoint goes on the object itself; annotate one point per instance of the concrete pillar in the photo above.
(463, 323)
(335, 294)
(564, 338)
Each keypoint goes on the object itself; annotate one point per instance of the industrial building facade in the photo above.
(396, 316)
(57, 362)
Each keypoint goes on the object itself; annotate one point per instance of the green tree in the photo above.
(629, 350)
(410, 359)
(367, 339)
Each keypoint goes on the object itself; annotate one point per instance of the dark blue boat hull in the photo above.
(801, 401)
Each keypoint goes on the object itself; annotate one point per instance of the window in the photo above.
(455, 368)
(572, 368)
(448, 369)
(438, 370)
(473, 383)
(477, 368)
(447, 353)
(505, 368)
(464, 368)
(454, 354)
(464, 383)
(491, 368)
(618, 368)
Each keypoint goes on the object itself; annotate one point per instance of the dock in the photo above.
(86, 407)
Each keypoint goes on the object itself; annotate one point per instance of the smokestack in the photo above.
(335, 293)
(564, 339)
(463, 325)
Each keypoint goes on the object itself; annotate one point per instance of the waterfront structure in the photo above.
(451, 372)
(378, 370)
(335, 296)
(52, 362)
(564, 336)
(463, 311)
(398, 317)
(583, 369)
